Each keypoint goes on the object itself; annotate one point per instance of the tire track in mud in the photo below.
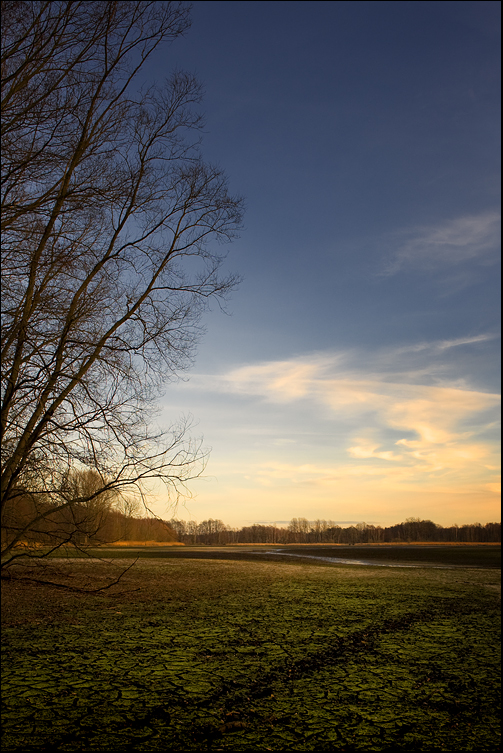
(235, 697)
(359, 641)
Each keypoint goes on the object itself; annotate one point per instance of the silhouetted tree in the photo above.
(109, 222)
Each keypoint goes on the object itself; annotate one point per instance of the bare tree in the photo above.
(111, 223)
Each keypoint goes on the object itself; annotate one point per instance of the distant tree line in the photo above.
(96, 517)
(302, 531)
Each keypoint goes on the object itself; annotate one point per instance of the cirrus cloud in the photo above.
(447, 244)
(399, 430)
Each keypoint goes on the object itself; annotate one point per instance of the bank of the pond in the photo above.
(368, 563)
(425, 555)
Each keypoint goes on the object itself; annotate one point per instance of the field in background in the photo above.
(332, 546)
(144, 543)
(252, 654)
(407, 554)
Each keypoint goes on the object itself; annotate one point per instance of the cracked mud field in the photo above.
(215, 655)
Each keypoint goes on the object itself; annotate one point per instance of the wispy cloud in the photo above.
(395, 429)
(446, 245)
(365, 448)
(357, 376)
(441, 345)
(286, 380)
(399, 431)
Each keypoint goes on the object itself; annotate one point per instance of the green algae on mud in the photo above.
(226, 655)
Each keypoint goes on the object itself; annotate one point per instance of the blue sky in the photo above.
(356, 376)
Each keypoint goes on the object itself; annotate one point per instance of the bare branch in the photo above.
(111, 233)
